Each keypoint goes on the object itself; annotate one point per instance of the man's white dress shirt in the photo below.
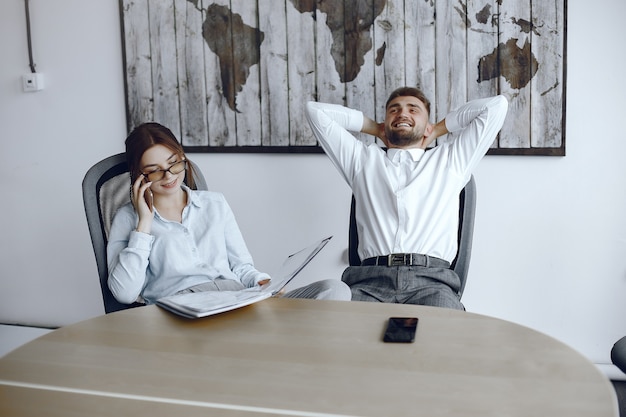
(407, 201)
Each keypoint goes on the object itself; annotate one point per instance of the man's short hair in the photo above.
(409, 91)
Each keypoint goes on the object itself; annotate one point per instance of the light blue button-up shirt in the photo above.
(207, 244)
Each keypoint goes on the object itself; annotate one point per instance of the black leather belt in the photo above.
(406, 259)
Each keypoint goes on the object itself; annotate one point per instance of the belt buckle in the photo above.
(399, 259)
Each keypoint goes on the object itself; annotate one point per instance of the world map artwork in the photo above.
(352, 40)
(235, 75)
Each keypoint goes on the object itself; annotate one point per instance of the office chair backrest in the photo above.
(467, 209)
(618, 354)
(106, 187)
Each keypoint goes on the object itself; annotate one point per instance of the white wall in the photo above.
(550, 240)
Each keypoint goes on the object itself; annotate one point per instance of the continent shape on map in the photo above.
(517, 65)
(350, 30)
(237, 46)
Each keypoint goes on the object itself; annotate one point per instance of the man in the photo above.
(407, 200)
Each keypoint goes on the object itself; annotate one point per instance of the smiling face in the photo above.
(406, 120)
(157, 158)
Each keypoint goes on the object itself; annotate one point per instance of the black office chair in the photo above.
(618, 354)
(106, 187)
(467, 209)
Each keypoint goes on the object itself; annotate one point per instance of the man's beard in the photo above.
(403, 139)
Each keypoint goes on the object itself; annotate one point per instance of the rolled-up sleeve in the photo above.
(478, 123)
(331, 124)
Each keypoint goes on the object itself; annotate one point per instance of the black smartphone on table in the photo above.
(400, 330)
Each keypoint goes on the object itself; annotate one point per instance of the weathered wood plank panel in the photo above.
(191, 81)
(329, 87)
(450, 65)
(246, 41)
(135, 23)
(221, 118)
(234, 75)
(516, 66)
(547, 43)
(273, 69)
(423, 42)
(389, 33)
(164, 67)
(301, 70)
(361, 57)
(411, 33)
(482, 40)
(425, 45)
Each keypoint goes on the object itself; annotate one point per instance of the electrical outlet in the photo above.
(32, 82)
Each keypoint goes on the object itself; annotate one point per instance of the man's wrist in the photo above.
(441, 129)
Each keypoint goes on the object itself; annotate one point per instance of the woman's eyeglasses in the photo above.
(159, 174)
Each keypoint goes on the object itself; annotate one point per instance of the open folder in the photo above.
(202, 304)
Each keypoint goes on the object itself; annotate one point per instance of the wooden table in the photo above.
(300, 358)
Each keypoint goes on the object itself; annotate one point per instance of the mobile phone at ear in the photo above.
(400, 330)
(147, 195)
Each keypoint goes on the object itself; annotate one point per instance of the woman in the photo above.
(171, 239)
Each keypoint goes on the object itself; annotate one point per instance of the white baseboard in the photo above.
(611, 371)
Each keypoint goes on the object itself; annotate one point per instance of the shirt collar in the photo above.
(192, 198)
(415, 153)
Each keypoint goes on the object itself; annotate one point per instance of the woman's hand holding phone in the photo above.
(143, 203)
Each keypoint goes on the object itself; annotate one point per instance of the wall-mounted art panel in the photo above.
(234, 75)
